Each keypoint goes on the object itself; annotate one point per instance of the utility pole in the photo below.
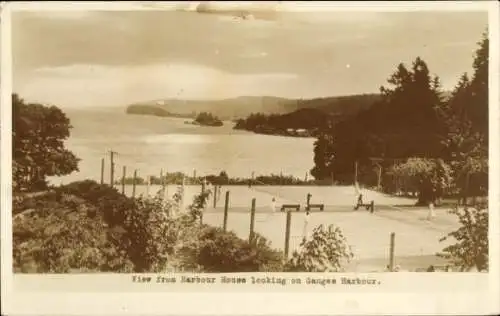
(102, 171)
(112, 168)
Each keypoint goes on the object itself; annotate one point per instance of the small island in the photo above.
(207, 119)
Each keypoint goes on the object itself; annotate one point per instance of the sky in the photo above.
(114, 58)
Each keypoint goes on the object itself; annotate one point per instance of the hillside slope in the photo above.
(241, 107)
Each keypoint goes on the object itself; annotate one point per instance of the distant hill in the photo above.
(341, 105)
(242, 107)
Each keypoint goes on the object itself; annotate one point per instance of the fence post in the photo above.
(287, 232)
(391, 258)
(215, 196)
(162, 182)
(134, 183)
(124, 172)
(166, 184)
(112, 170)
(372, 206)
(226, 208)
(252, 220)
(102, 170)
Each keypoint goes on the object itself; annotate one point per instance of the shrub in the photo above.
(62, 237)
(326, 251)
(108, 200)
(471, 247)
(148, 238)
(225, 252)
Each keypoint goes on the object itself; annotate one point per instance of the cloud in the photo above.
(60, 15)
(107, 86)
(247, 10)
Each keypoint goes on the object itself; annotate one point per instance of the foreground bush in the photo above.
(326, 251)
(66, 235)
(88, 227)
(470, 251)
(220, 251)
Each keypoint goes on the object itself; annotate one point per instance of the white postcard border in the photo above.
(458, 293)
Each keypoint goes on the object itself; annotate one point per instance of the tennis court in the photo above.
(367, 233)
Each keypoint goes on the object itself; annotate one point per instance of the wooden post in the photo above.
(102, 171)
(226, 208)
(391, 260)
(372, 206)
(287, 232)
(308, 201)
(112, 170)
(134, 182)
(124, 172)
(252, 220)
(162, 183)
(215, 196)
(166, 184)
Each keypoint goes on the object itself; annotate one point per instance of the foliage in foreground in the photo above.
(88, 227)
(326, 251)
(471, 247)
(213, 250)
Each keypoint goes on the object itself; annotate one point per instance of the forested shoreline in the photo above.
(415, 135)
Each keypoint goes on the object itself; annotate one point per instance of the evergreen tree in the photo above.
(466, 116)
(404, 123)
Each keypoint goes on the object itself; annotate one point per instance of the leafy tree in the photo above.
(471, 247)
(326, 251)
(431, 178)
(38, 135)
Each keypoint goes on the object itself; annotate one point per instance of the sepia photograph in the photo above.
(210, 139)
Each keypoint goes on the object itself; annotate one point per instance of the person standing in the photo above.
(431, 213)
(359, 201)
(273, 205)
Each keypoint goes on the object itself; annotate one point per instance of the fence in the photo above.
(164, 179)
